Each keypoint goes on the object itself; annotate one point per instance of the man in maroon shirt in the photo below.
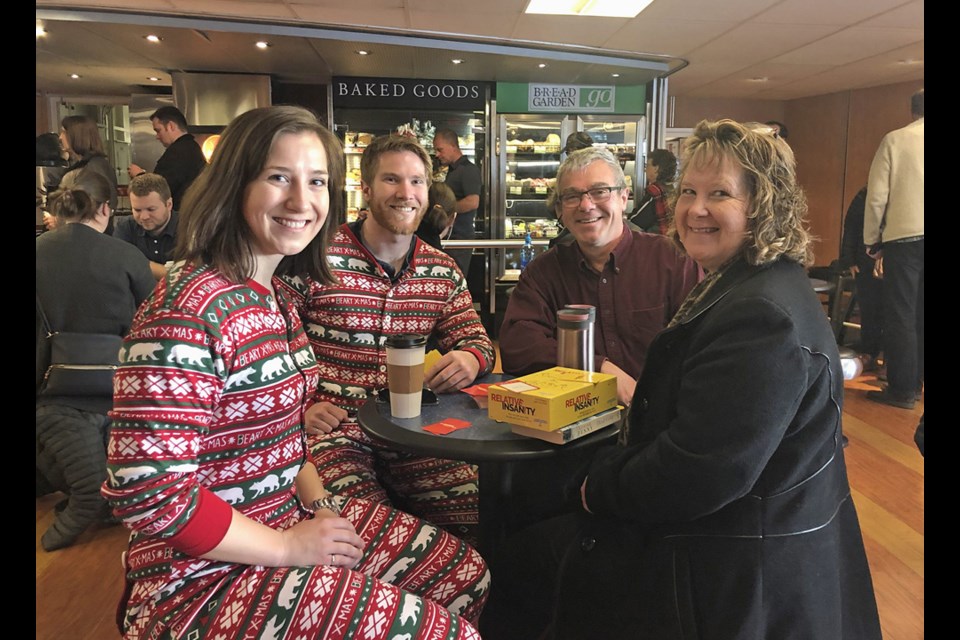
(635, 280)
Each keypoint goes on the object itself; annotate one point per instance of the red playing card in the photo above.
(449, 425)
(476, 390)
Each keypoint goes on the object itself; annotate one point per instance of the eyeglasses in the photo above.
(571, 199)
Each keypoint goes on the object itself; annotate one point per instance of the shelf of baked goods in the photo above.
(533, 150)
(537, 188)
(357, 150)
(354, 142)
(551, 144)
(536, 227)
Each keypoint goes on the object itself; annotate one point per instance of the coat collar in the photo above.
(735, 274)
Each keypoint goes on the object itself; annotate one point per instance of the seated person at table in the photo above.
(234, 535)
(152, 226)
(87, 282)
(389, 281)
(724, 512)
(441, 213)
(635, 280)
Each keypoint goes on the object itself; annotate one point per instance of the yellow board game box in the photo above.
(552, 398)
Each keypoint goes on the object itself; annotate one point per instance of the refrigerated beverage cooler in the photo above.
(530, 153)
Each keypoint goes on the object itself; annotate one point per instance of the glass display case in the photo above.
(531, 148)
(623, 136)
(358, 127)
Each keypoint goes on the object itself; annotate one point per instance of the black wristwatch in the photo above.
(326, 502)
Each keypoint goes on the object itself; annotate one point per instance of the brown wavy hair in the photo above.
(212, 229)
(776, 213)
(81, 201)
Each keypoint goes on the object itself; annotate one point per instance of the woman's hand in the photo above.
(324, 539)
(583, 496)
(323, 417)
(626, 385)
(49, 221)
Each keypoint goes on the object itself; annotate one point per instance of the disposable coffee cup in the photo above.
(405, 353)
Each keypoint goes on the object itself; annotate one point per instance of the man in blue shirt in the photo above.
(152, 227)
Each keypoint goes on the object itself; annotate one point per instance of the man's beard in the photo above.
(391, 221)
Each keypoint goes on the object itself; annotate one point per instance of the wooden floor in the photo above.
(78, 587)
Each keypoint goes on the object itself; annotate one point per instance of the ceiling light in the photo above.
(910, 61)
(758, 79)
(75, 76)
(153, 78)
(604, 8)
(542, 65)
(457, 61)
(362, 52)
(41, 31)
(262, 44)
(153, 38)
(615, 75)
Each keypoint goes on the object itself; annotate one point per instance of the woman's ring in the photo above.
(333, 558)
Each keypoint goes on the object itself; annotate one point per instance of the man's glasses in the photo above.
(571, 199)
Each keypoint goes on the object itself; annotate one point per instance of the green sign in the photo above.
(566, 98)
(513, 97)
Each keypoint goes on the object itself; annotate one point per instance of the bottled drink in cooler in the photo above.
(526, 252)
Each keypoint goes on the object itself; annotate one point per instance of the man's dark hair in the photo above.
(49, 151)
(449, 136)
(666, 164)
(170, 114)
(783, 131)
(578, 140)
(916, 104)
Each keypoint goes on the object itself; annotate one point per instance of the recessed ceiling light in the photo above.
(758, 79)
(153, 78)
(75, 76)
(362, 52)
(542, 65)
(41, 31)
(153, 38)
(457, 61)
(262, 44)
(604, 8)
(615, 75)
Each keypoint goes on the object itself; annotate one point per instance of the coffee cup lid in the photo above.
(586, 308)
(406, 340)
(573, 319)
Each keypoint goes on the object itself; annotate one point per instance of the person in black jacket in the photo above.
(652, 214)
(183, 159)
(869, 288)
(724, 512)
(81, 139)
(87, 282)
(51, 165)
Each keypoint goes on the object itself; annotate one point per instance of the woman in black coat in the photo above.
(87, 282)
(725, 511)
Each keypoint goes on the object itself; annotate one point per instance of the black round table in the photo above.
(490, 444)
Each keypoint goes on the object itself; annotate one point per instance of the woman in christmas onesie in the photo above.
(233, 534)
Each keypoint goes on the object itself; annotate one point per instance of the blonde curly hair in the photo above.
(777, 210)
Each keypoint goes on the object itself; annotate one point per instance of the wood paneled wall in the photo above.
(834, 137)
(818, 131)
